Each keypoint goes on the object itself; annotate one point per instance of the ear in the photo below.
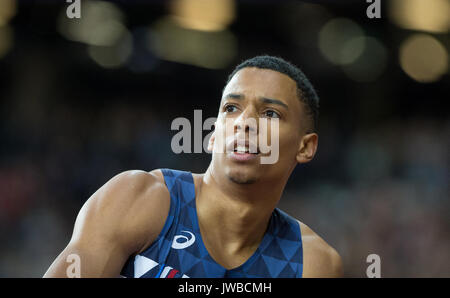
(307, 148)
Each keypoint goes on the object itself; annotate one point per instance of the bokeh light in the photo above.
(102, 28)
(203, 15)
(340, 41)
(423, 58)
(171, 42)
(431, 15)
(112, 56)
(370, 64)
(8, 9)
(101, 24)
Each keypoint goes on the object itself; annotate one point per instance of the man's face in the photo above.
(252, 95)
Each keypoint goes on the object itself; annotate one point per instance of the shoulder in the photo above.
(130, 209)
(131, 190)
(129, 186)
(319, 258)
(135, 180)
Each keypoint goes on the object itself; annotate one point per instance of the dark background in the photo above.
(378, 184)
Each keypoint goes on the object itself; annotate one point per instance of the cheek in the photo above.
(280, 134)
(287, 142)
(222, 132)
(226, 126)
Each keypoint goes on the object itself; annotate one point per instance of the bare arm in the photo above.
(319, 258)
(120, 219)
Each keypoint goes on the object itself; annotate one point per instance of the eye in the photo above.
(271, 114)
(230, 108)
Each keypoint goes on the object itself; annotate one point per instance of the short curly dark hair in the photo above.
(306, 92)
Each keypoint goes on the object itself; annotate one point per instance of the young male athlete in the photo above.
(223, 223)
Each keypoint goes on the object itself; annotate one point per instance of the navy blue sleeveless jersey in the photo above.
(179, 251)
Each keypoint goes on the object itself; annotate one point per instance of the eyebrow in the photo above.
(234, 96)
(263, 99)
(274, 101)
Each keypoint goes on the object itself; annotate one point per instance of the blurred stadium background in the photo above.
(84, 99)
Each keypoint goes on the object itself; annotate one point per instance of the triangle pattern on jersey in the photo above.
(213, 269)
(195, 250)
(288, 247)
(142, 265)
(191, 213)
(191, 204)
(174, 261)
(296, 259)
(298, 256)
(274, 251)
(185, 203)
(186, 219)
(286, 272)
(274, 265)
(169, 179)
(259, 268)
(197, 270)
(187, 190)
(187, 261)
(266, 242)
(288, 233)
(186, 177)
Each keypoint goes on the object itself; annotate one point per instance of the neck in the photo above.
(234, 217)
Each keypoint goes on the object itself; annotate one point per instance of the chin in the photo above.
(242, 177)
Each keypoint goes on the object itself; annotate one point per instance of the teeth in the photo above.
(242, 149)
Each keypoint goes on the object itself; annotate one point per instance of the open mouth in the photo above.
(242, 150)
(244, 154)
(245, 150)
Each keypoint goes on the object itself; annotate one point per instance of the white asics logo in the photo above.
(180, 245)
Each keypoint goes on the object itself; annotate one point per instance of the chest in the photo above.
(183, 254)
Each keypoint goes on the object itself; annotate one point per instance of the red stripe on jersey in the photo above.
(172, 273)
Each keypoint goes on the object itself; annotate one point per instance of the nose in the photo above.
(246, 121)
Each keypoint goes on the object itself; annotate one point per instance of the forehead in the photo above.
(256, 82)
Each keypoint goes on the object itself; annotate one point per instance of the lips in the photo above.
(242, 147)
(242, 156)
(245, 151)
